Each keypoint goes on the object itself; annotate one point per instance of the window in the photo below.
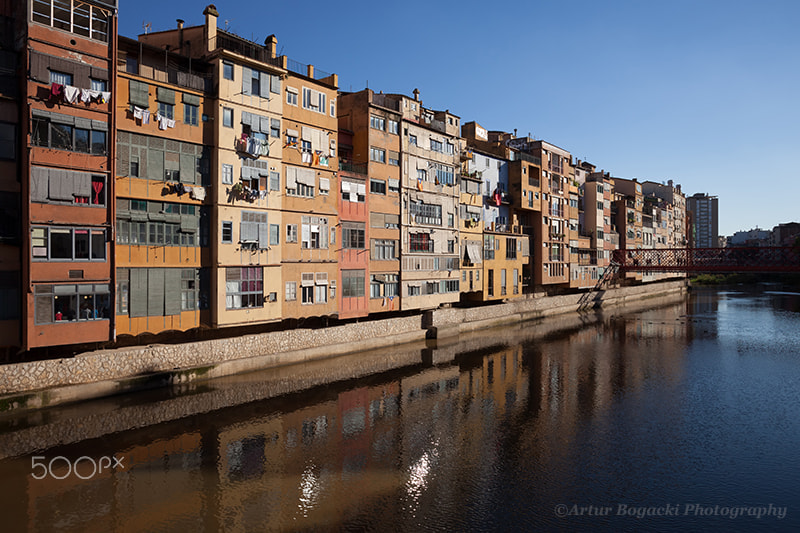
(62, 78)
(444, 174)
(394, 185)
(394, 126)
(8, 141)
(64, 132)
(353, 283)
(511, 248)
(227, 174)
(291, 96)
(394, 158)
(67, 244)
(253, 230)
(227, 232)
(420, 242)
(353, 235)
(189, 289)
(353, 190)
(71, 303)
(313, 100)
(244, 287)
(451, 222)
(384, 220)
(190, 114)
(314, 232)
(378, 123)
(414, 290)
(437, 146)
(97, 85)
(166, 110)
(307, 292)
(227, 117)
(291, 291)
(227, 70)
(291, 232)
(502, 282)
(83, 19)
(377, 186)
(384, 250)
(377, 154)
(451, 247)
(274, 234)
(412, 140)
(429, 214)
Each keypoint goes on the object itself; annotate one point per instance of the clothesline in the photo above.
(74, 94)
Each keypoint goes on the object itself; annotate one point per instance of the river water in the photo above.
(681, 417)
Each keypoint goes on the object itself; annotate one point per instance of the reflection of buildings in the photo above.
(437, 437)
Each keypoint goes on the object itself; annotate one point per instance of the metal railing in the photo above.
(241, 46)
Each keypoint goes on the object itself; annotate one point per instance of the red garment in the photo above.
(497, 198)
(56, 91)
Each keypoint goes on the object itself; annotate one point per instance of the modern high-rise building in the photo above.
(704, 229)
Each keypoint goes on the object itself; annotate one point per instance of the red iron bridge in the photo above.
(726, 260)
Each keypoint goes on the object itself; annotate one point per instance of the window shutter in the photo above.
(172, 291)
(188, 168)
(155, 291)
(155, 164)
(40, 179)
(138, 292)
(275, 84)
(263, 236)
(191, 99)
(274, 181)
(138, 94)
(164, 95)
(99, 73)
(264, 84)
(276, 125)
(247, 81)
(39, 67)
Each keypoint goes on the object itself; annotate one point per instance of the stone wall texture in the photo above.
(106, 372)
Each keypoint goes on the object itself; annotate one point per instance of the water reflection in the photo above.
(642, 409)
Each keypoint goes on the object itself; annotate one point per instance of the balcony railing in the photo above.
(557, 212)
(522, 156)
(356, 168)
(241, 46)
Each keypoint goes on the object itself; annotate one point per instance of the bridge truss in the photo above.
(725, 260)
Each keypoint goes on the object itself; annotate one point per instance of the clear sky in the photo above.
(703, 92)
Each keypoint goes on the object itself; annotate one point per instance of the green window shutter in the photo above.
(191, 99)
(155, 164)
(188, 168)
(138, 292)
(155, 291)
(172, 291)
(164, 95)
(274, 231)
(138, 94)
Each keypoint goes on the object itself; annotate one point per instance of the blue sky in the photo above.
(703, 92)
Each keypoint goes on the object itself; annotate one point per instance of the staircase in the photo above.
(587, 300)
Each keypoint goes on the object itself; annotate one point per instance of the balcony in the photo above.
(557, 212)
(476, 175)
(558, 169)
(241, 46)
(522, 156)
(355, 168)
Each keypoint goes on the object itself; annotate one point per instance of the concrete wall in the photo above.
(102, 373)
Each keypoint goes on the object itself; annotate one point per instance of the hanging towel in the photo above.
(145, 116)
(170, 123)
(198, 193)
(306, 158)
(105, 97)
(71, 94)
(86, 96)
(137, 112)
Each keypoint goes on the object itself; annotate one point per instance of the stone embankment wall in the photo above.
(102, 373)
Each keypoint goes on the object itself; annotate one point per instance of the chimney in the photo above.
(415, 92)
(180, 36)
(211, 14)
(272, 46)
